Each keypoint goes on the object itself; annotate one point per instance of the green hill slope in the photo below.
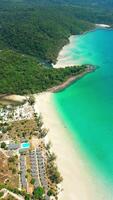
(22, 74)
(40, 31)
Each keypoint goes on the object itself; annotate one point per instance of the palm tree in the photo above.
(48, 146)
(43, 132)
(51, 157)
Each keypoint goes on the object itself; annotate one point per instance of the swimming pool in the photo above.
(25, 145)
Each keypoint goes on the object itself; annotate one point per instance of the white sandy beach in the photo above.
(103, 25)
(79, 182)
(63, 59)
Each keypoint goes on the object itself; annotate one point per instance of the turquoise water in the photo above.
(25, 145)
(87, 105)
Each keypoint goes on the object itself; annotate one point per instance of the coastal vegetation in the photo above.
(21, 74)
(38, 193)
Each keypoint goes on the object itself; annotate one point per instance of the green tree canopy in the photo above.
(38, 193)
(3, 145)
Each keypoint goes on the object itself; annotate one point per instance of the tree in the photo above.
(27, 197)
(1, 194)
(3, 145)
(13, 171)
(32, 181)
(43, 132)
(51, 192)
(38, 193)
(28, 170)
(10, 197)
(31, 100)
(39, 122)
(54, 174)
(11, 159)
(48, 146)
(52, 157)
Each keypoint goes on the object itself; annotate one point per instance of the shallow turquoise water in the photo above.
(87, 106)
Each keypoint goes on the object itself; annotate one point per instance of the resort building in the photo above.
(34, 168)
(38, 170)
(13, 146)
(42, 169)
(23, 172)
(21, 147)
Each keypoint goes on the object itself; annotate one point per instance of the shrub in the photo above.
(13, 171)
(11, 159)
(31, 100)
(3, 145)
(1, 194)
(32, 181)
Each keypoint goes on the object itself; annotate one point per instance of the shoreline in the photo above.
(11, 98)
(61, 54)
(60, 62)
(72, 79)
(80, 182)
(103, 25)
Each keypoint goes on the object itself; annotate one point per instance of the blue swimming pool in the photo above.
(25, 145)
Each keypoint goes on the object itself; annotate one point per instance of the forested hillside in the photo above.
(22, 74)
(39, 29)
(93, 3)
